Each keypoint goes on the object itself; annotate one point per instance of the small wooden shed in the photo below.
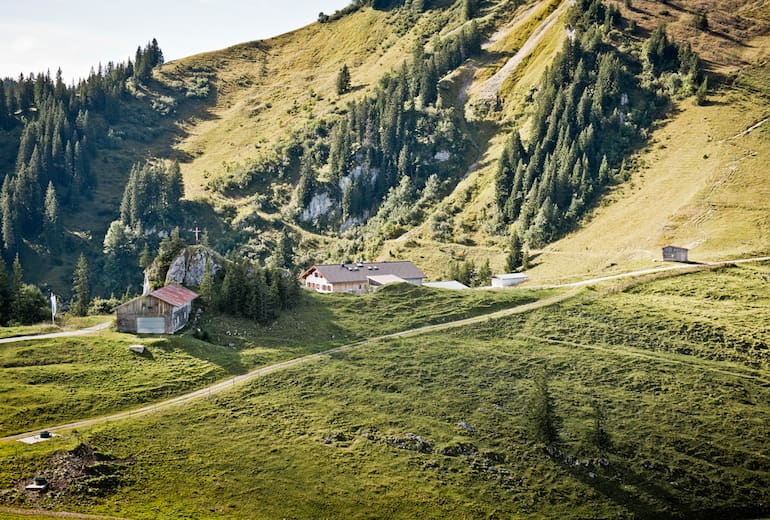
(675, 254)
(163, 311)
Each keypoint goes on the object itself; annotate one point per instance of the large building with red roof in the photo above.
(163, 311)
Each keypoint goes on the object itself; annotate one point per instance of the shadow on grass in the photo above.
(229, 359)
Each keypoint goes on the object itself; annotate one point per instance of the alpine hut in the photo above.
(163, 311)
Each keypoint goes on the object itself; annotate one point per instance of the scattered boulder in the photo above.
(465, 426)
(456, 449)
(410, 441)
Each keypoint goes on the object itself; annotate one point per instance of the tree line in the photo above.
(49, 132)
(247, 290)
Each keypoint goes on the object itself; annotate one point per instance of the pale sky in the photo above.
(40, 35)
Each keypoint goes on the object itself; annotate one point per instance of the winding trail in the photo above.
(574, 289)
(491, 87)
(263, 371)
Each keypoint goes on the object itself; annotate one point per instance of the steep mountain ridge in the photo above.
(249, 123)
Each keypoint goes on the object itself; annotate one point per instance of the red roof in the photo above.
(175, 295)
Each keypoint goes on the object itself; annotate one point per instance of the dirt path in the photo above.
(490, 88)
(748, 130)
(654, 270)
(662, 357)
(259, 372)
(67, 334)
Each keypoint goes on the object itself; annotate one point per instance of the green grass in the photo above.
(332, 439)
(48, 382)
(325, 320)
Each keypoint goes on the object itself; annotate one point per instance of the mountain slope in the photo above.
(251, 125)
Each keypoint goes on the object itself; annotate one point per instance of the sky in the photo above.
(43, 35)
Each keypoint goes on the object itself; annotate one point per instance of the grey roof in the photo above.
(448, 284)
(385, 279)
(352, 273)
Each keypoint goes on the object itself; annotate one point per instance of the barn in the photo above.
(163, 311)
(675, 254)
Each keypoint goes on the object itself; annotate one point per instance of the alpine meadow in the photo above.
(417, 259)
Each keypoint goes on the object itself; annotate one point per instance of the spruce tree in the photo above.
(8, 215)
(17, 283)
(543, 420)
(205, 287)
(469, 9)
(51, 217)
(145, 259)
(174, 188)
(485, 274)
(80, 288)
(514, 259)
(5, 296)
(343, 80)
(700, 94)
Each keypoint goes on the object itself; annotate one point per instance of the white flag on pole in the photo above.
(53, 307)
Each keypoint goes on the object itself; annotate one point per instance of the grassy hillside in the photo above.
(698, 183)
(48, 382)
(232, 112)
(438, 425)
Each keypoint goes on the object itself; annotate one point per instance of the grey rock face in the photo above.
(189, 267)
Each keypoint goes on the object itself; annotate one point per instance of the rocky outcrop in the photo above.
(189, 267)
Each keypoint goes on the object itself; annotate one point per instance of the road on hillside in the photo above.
(67, 334)
(230, 383)
(259, 372)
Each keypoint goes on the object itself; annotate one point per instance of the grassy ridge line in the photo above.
(238, 380)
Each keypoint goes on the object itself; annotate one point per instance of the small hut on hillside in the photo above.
(675, 254)
(163, 311)
(508, 279)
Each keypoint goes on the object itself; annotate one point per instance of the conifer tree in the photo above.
(485, 273)
(51, 217)
(80, 288)
(174, 191)
(343, 80)
(8, 215)
(17, 283)
(700, 94)
(515, 257)
(541, 413)
(205, 287)
(145, 259)
(469, 9)
(5, 295)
